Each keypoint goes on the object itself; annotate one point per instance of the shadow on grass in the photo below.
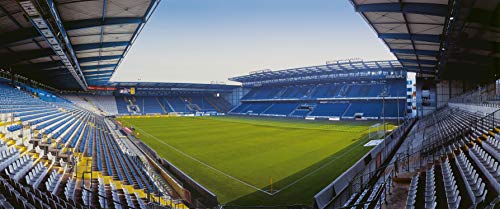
(314, 178)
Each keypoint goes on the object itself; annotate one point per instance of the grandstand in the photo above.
(169, 98)
(42, 140)
(450, 157)
(368, 90)
(164, 105)
(62, 146)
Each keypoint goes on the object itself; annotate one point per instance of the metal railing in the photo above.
(480, 96)
(363, 173)
(381, 177)
(412, 161)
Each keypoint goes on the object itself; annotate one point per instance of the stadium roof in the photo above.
(438, 37)
(173, 85)
(473, 42)
(340, 66)
(410, 28)
(69, 44)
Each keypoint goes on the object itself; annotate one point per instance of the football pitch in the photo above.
(254, 161)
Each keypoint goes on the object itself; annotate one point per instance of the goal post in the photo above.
(375, 131)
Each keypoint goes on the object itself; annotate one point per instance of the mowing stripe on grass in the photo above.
(208, 166)
(314, 171)
(240, 181)
(234, 158)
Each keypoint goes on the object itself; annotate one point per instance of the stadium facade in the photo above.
(60, 146)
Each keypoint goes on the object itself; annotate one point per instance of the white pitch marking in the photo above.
(242, 182)
(312, 172)
(209, 166)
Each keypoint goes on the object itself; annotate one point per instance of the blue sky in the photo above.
(211, 40)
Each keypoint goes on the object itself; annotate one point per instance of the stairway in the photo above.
(343, 90)
(186, 103)
(161, 105)
(195, 107)
(169, 105)
(93, 196)
(281, 92)
(345, 111)
(310, 92)
(92, 104)
(223, 103)
(212, 103)
(191, 106)
(291, 113)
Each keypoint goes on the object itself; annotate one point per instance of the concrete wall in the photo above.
(447, 89)
(426, 106)
(441, 92)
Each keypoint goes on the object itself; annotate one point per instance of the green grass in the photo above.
(311, 154)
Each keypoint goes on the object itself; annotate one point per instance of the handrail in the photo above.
(437, 138)
(399, 132)
(366, 202)
(475, 96)
(387, 179)
(488, 115)
(441, 143)
(404, 158)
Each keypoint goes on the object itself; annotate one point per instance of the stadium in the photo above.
(421, 130)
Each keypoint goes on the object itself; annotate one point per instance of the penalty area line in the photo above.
(313, 172)
(207, 165)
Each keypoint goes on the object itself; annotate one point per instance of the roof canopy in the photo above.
(410, 28)
(173, 85)
(315, 72)
(472, 44)
(446, 38)
(69, 44)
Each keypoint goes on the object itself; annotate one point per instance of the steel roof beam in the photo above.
(149, 12)
(418, 69)
(416, 52)
(101, 41)
(103, 75)
(93, 67)
(27, 33)
(409, 30)
(100, 78)
(99, 83)
(11, 58)
(424, 62)
(44, 17)
(414, 37)
(98, 72)
(416, 8)
(89, 23)
(94, 59)
(82, 47)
